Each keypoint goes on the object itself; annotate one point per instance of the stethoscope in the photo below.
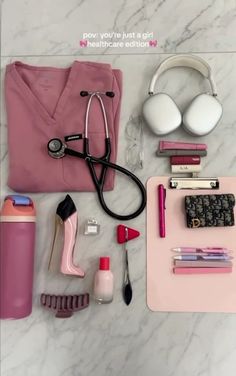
(58, 149)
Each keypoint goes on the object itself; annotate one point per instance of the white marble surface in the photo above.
(115, 340)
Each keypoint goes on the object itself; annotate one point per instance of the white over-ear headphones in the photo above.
(201, 116)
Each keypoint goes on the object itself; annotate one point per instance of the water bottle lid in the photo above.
(19, 200)
(17, 208)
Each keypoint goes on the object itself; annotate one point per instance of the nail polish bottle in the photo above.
(103, 282)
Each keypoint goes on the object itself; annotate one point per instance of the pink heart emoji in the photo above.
(83, 43)
(153, 43)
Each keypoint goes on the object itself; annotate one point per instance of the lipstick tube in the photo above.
(185, 160)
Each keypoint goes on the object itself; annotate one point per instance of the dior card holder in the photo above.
(210, 210)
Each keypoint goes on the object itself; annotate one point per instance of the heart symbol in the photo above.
(153, 43)
(83, 43)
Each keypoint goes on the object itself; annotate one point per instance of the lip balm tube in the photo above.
(185, 168)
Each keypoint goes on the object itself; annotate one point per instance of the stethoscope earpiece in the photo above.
(110, 94)
(84, 93)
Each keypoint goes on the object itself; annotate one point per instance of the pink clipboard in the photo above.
(186, 293)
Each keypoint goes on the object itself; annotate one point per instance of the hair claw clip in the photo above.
(64, 305)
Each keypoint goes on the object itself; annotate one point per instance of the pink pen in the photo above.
(175, 145)
(161, 208)
(201, 270)
(199, 249)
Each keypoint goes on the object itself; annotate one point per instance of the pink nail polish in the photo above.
(103, 282)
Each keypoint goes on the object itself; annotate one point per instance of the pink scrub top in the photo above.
(44, 103)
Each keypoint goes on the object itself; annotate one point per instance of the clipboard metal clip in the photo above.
(194, 183)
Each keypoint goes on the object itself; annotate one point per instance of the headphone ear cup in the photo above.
(161, 114)
(202, 115)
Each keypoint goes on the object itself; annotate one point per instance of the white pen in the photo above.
(203, 254)
(192, 257)
(199, 249)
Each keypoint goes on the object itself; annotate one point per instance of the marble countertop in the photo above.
(111, 340)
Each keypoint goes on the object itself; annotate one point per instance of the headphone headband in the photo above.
(188, 61)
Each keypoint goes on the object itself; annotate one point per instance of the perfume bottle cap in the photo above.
(104, 263)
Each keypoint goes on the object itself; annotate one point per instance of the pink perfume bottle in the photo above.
(17, 241)
(104, 282)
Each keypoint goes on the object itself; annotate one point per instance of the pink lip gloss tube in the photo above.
(175, 145)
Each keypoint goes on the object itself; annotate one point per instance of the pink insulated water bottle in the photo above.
(17, 241)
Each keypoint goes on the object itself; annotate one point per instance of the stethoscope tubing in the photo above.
(91, 160)
(104, 161)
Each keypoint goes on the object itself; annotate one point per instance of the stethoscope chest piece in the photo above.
(56, 148)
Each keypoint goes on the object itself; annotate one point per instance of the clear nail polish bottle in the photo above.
(103, 282)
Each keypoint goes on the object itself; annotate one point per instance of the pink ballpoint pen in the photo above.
(201, 270)
(201, 249)
(161, 208)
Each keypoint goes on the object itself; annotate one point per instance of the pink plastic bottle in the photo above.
(17, 241)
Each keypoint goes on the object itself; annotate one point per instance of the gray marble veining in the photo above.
(56, 28)
(115, 340)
